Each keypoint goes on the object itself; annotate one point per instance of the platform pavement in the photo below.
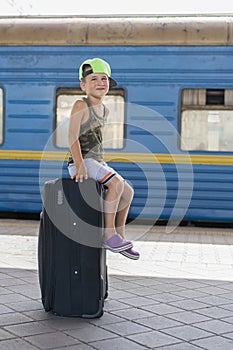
(178, 296)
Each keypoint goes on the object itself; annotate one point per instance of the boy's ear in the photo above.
(82, 86)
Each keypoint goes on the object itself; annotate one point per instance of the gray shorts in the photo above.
(100, 172)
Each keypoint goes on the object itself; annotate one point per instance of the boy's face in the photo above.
(96, 84)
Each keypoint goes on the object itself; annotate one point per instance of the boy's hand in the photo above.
(81, 173)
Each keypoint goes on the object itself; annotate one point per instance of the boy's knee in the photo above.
(130, 190)
(116, 185)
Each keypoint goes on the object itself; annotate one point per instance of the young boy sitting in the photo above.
(86, 160)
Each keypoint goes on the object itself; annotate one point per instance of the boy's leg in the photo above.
(117, 203)
(121, 216)
(123, 209)
(111, 204)
(113, 240)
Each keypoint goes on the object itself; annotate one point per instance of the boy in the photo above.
(86, 160)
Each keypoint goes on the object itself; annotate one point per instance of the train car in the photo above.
(171, 130)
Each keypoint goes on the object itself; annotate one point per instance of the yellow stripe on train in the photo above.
(122, 157)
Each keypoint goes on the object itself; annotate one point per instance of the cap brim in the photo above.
(112, 82)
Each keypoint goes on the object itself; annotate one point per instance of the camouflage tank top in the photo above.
(90, 136)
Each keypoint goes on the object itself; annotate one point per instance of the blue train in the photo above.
(171, 127)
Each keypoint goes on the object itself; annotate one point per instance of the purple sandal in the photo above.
(117, 244)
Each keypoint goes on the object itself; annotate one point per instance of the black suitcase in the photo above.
(72, 262)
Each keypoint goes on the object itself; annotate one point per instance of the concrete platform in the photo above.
(178, 296)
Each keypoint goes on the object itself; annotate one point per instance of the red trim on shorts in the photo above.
(107, 177)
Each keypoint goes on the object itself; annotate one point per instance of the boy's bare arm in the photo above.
(77, 115)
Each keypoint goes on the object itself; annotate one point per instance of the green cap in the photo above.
(97, 66)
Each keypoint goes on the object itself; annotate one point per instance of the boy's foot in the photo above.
(131, 254)
(117, 244)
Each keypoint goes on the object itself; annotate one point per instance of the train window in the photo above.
(114, 132)
(1, 116)
(207, 120)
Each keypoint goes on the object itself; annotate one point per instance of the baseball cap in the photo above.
(97, 66)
